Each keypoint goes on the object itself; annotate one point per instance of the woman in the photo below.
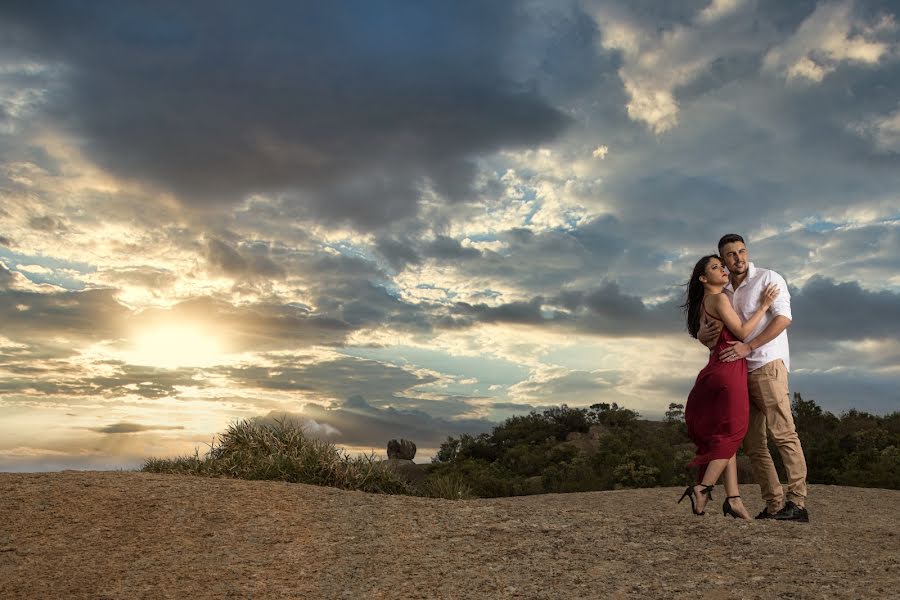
(718, 407)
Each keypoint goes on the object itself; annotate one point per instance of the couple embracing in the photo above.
(741, 312)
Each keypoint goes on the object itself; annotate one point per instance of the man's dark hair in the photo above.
(730, 238)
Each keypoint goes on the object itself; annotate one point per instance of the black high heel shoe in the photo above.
(727, 510)
(689, 494)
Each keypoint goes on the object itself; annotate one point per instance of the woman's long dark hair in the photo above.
(695, 291)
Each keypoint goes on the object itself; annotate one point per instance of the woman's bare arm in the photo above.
(722, 306)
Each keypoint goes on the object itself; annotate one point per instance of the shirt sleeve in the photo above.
(782, 304)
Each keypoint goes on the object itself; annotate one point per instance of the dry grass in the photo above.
(282, 451)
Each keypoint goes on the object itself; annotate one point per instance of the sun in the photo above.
(175, 346)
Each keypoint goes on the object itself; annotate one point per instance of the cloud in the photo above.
(132, 428)
(659, 57)
(252, 327)
(16, 282)
(145, 277)
(85, 315)
(828, 311)
(37, 269)
(361, 424)
(558, 385)
(329, 378)
(460, 211)
(718, 9)
(251, 261)
(882, 130)
(832, 35)
(354, 110)
(605, 310)
(310, 426)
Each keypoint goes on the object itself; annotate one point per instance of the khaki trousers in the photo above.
(770, 410)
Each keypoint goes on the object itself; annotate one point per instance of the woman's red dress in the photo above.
(718, 408)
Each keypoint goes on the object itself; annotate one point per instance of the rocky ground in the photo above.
(139, 535)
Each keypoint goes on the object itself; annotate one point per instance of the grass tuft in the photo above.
(282, 451)
(447, 485)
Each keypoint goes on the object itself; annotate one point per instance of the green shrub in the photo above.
(528, 454)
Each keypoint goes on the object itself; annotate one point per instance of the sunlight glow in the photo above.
(171, 347)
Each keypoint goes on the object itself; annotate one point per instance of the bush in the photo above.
(528, 454)
(283, 452)
(450, 486)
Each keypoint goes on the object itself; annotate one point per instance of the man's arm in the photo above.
(709, 332)
(739, 350)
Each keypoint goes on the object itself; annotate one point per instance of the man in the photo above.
(768, 363)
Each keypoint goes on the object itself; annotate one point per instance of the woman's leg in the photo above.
(713, 471)
(732, 489)
(731, 480)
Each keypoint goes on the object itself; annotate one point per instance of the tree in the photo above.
(675, 414)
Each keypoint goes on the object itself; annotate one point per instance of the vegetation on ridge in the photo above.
(282, 451)
(607, 447)
(561, 449)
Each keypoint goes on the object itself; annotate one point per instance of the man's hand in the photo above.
(709, 332)
(735, 351)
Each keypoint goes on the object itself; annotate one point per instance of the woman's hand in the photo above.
(769, 294)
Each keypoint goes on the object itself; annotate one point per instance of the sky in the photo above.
(418, 218)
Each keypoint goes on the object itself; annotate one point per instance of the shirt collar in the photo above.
(751, 273)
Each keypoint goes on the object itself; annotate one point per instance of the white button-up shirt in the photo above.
(746, 299)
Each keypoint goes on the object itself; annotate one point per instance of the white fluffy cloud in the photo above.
(829, 37)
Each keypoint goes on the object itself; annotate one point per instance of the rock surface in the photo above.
(413, 473)
(140, 535)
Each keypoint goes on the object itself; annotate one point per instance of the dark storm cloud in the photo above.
(663, 15)
(827, 311)
(445, 248)
(338, 378)
(250, 261)
(352, 107)
(543, 263)
(781, 151)
(362, 424)
(523, 313)
(606, 310)
(88, 315)
(5, 241)
(397, 253)
(610, 311)
(355, 291)
(124, 427)
(573, 65)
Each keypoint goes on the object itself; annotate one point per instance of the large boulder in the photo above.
(414, 474)
(404, 449)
